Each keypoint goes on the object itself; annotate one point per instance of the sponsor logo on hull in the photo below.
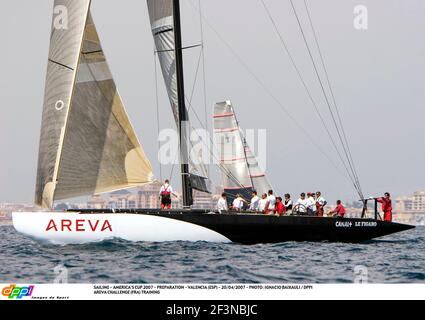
(349, 224)
(79, 225)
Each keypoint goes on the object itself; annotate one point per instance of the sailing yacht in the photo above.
(88, 146)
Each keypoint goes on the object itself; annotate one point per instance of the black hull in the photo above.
(257, 228)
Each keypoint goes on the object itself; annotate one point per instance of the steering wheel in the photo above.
(299, 210)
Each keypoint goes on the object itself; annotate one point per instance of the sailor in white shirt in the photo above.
(166, 188)
(272, 200)
(302, 203)
(165, 194)
(255, 201)
(321, 203)
(222, 204)
(263, 203)
(311, 206)
(238, 203)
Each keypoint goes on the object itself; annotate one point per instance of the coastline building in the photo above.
(148, 196)
(96, 202)
(411, 204)
(122, 199)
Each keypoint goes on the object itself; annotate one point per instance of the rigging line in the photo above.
(331, 89)
(345, 147)
(273, 97)
(294, 64)
(202, 167)
(323, 88)
(204, 77)
(195, 80)
(173, 166)
(244, 144)
(157, 112)
(193, 89)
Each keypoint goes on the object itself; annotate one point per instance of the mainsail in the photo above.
(87, 143)
(162, 23)
(161, 17)
(241, 172)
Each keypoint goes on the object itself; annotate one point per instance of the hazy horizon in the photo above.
(378, 77)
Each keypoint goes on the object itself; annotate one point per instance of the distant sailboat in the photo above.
(88, 146)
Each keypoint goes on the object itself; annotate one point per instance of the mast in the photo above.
(183, 114)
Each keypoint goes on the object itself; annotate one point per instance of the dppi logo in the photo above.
(13, 292)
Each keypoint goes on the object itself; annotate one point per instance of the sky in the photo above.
(378, 77)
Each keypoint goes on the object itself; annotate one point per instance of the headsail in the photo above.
(87, 143)
(258, 176)
(241, 172)
(162, 23)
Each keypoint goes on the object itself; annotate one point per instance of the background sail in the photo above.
(97, 150)
(162, 23)
(235, 177)
(258, 177)
(242, 173)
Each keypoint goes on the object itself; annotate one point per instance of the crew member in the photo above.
(387, 206)
(288, 203)
(165, 194)
(320, 204)
(263, 204)
(255, 200)
(339, 211)
(222, 204)
(272, 201)
(279, 207)
(301, 204)
(311, 204)
(238, 203)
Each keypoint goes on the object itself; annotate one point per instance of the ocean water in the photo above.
(398, 258)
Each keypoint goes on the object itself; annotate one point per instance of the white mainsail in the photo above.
(162, 23)
(241, 170)
(87, 143)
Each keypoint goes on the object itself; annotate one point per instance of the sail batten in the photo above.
(87, 144)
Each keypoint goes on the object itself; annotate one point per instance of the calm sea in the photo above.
(395, 259)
